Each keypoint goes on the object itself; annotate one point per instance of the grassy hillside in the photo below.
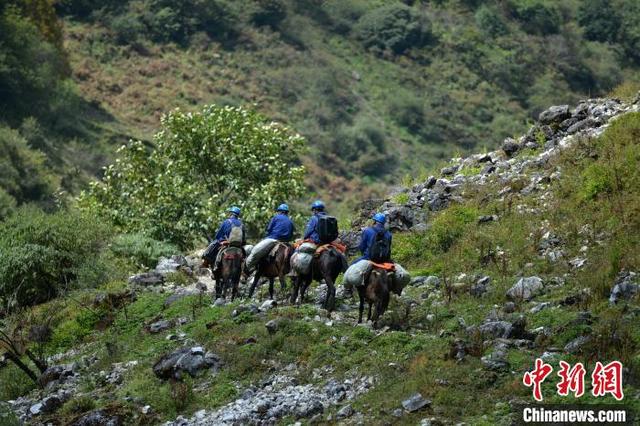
(380, 89)
(438, 339)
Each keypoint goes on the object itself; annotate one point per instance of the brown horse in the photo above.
(274, 265)
(228, 273)
(375, 291)
(327, 265)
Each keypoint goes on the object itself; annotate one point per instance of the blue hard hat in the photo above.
(235, 210)
(380, 218)
(283, 208)
(317, 205)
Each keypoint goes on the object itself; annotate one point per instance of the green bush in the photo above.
(141, 250)
(490, 21)
(23, 171)
(600, 20)
(450, 225)
(538, 16)
(202, 163)
(395, 27)
(128, 28)
(407, 110)
(41, 254)
(269, 13)
(344, 14)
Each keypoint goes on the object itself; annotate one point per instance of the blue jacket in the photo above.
(225, 228)
(280, 228)
(311, 231)
(369, 236)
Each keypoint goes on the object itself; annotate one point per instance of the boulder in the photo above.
(344, 412)
(577, 344)
(510, 146)
(185, 360)
(625, 287)
(171, 264)
(415, 402)
(47, 405)
(554, 114)
(98, 418)
(272, 326)
(147, 278)
(525, 289)
(495, 361)
(159, 326)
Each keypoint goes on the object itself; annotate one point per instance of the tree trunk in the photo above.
(22, 366)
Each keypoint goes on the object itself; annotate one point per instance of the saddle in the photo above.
(228, 252)
(335, 244)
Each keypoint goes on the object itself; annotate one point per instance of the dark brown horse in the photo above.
(228, 273)
(325, 266)
(375, 292)
(272, 266)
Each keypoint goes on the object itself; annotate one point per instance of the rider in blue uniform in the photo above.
(281, 227)
(369, 236)
(311, 231)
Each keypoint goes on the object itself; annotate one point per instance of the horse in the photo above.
(275, 264)
(228, 273)
(375, 291)
(327, 265)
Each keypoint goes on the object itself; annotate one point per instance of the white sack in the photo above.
(354, 276)
(259, 251)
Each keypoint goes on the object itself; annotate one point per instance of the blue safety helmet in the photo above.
(319, 205)
(283, 208)
(235, 210)
(380, 218)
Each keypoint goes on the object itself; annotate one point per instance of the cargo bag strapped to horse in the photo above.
(356, 273)
(236, 236)
(259, 251)
(327, 229)
(400, 280)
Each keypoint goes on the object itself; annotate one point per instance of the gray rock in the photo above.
(494, 329)
(47, 405)
(447, 171)
(309, 408)
(98, 418)
(272, 326)
(480, 287)
(171, 264)
(554, 114)
(539, 307)
(577, 344)
(496, 361)
(431, 180)
(160, 326)
(525, 288)
(509, 307)
(397, 413)
(185, 360)
(582, 125)
(415, 402)
(267, 305)
(251, 308)
(56, 372)
(624, 288)
(433, 281)
(147, 278)
(344, 412)
(510, 146)
(487, 218)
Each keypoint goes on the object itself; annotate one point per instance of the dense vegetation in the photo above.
(379, 89)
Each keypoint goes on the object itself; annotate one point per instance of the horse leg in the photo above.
(218, 280)
(330, 298)
(305, 285)
(271, 288)
(283, 285)
(361, 307)
(296, 288)
(369, 315)
(256, 280)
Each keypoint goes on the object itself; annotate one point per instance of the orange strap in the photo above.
(387, 266)
(340, 247)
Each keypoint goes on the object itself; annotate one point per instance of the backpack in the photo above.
(236, 236)
(380, 249)
(327, 229)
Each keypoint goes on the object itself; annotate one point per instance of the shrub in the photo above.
(41, 254)
(344, 14)
(127, 28)
(490, 21)
(396, 27)
(601, 22)
(140, 249)
(269, 12)
(537, 16)
(450, 225)
(407, 110)
(201, 164)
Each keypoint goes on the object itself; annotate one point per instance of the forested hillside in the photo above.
(380, 89)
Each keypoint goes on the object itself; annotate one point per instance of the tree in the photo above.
(200, 164)
(600, 20)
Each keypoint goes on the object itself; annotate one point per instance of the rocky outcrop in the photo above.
(555, 130)
(186, 360)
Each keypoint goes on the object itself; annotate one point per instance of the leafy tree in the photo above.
(490, 21)
(201, 163)
(538, 16)
(396, 27)
(600, 20)
(269, 12)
